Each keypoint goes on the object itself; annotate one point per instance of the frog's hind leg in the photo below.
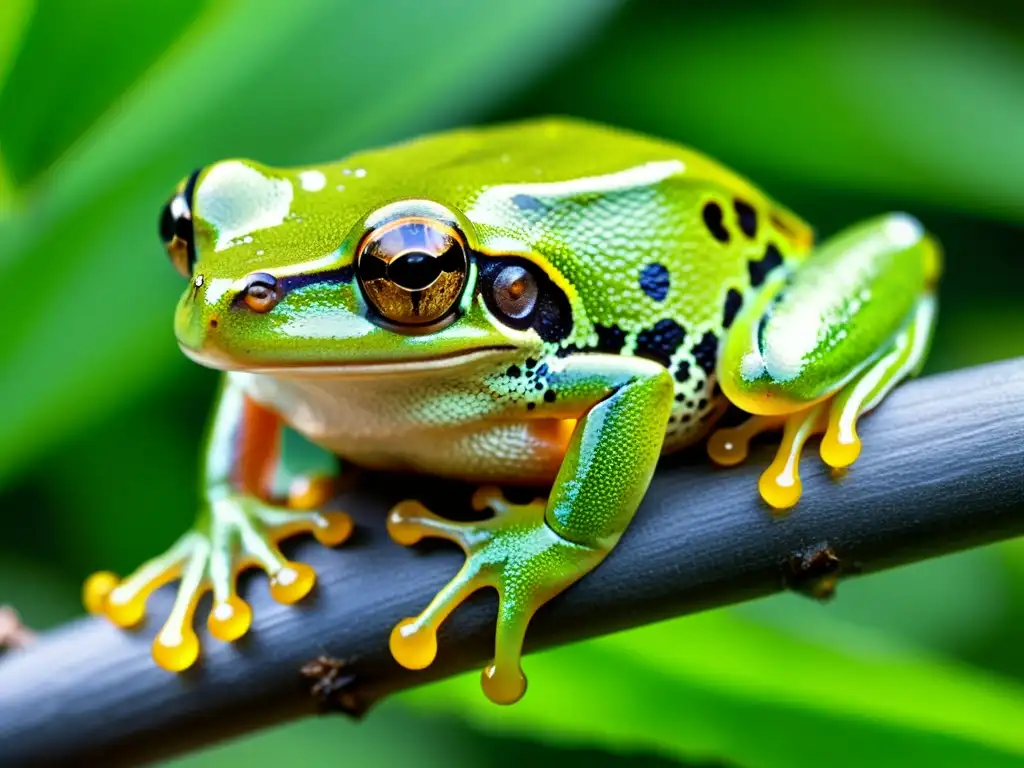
(841, 445)
(817, 351)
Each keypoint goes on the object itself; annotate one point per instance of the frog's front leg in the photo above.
(529, 553)
(826, 344)
(235, 529)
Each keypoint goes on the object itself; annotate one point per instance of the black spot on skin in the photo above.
(530, 363)
(654, 281)
(549, 396)
(530, 406)
(759, 270)
(747, 217)
(713, 221)
(686, 417)
(683, 371)
(733, 302)
(610, 338)
(702, 404)
(514, 372)
(660, 342)
(538, 386)
(680, 397)
(527, 203)
(706, 352)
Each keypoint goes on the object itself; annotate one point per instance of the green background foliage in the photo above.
(840, 110)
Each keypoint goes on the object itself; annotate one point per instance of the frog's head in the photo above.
(287, 272)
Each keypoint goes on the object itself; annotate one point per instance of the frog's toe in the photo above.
(123, 602)
(239, 532)
(729, 446)
(835, 418)
(515, 552)
(310, 492)
(780, 484)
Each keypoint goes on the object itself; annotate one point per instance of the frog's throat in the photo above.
(410, 367)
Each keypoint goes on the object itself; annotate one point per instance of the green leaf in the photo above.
(720, 687)
(90, 323)
(15, 16)
(73, 69)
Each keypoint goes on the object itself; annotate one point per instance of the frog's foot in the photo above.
(517, 553)
(239, 532)
(835, 418)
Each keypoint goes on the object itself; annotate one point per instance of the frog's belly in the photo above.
(397, 425)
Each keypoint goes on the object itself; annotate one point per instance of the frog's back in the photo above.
(655, 245)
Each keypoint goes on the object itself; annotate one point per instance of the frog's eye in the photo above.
(413, 270)
(176, 227)
(261, 292)
(514, 293)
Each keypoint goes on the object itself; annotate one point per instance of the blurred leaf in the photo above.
(66, 39)
(14, 19)
(717, 686)
(41, 596)
(917, 606)
(918, 102)
(330, 742)
(15, 16)
(298, 81)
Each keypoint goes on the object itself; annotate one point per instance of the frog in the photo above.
(552, 304)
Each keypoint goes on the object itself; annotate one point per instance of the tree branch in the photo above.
(942, 470)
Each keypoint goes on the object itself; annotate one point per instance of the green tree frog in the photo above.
(550, 303)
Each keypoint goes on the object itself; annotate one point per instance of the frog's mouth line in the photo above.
(369, 369)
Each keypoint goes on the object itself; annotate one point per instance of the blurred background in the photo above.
(839, 110)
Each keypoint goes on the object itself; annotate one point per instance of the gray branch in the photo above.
(942, 470)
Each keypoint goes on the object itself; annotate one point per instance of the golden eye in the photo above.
(176, 227)
(413, 270)
(261, 292)
(515, 292)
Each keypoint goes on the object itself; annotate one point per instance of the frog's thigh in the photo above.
(813, 352)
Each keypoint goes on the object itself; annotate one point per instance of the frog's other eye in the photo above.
(514, 293)
(176, 227)
(521, 295)
(413, 270)
(261, 292)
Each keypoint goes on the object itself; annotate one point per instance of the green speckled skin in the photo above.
(666, 286)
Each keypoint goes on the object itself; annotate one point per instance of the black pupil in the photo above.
(414, 271)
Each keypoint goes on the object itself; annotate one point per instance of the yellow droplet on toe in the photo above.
(402, 526)
(229, 620)
(413, 646)
(503, 686)
(780, 490)
(96, 590)
(728, 447)
(125, 610)
(176, 652)
(310, 492)
(487, 497)
(839, 453)
(292, 582)
(338, 528)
